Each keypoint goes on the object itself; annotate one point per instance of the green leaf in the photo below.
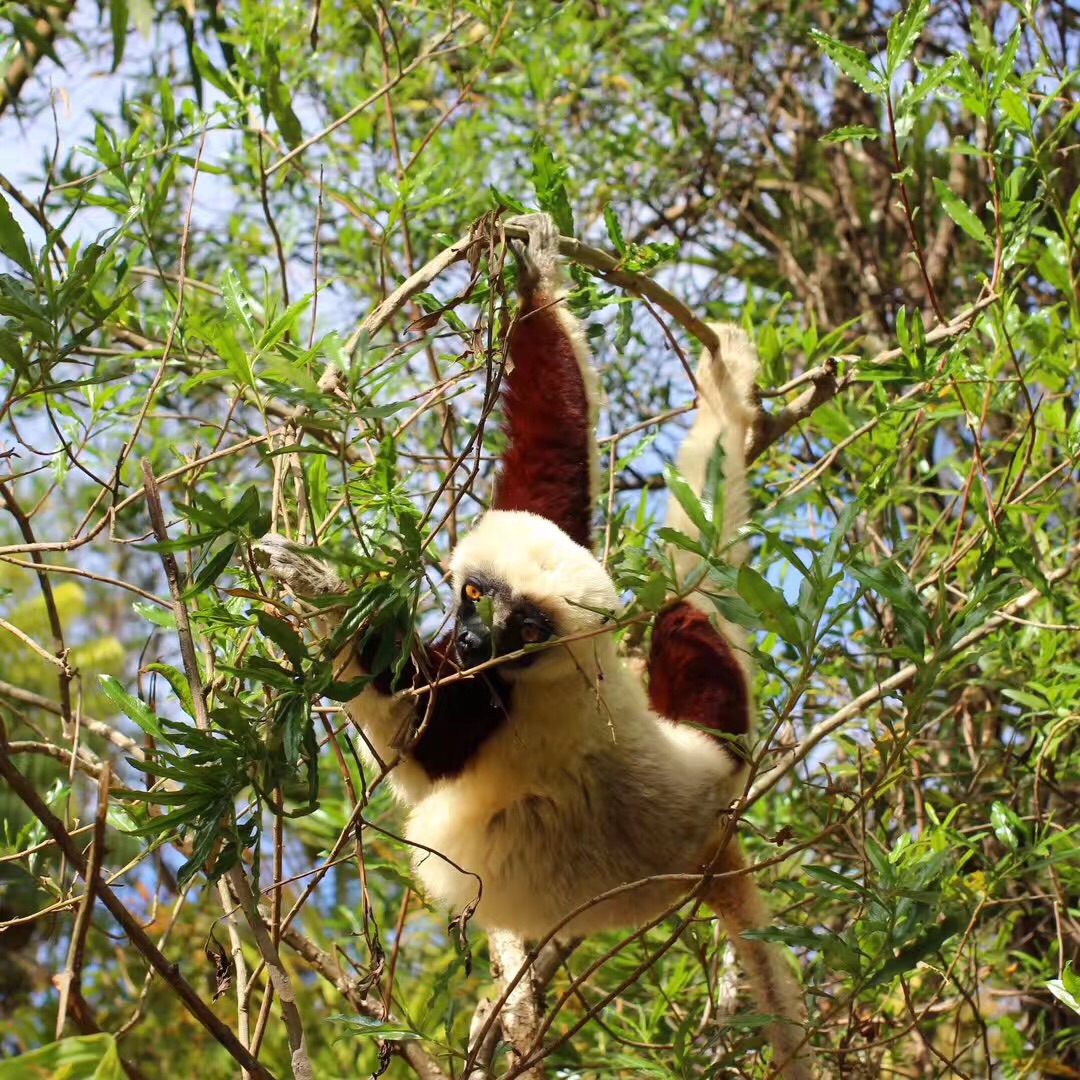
(83, 1057)
(770, 604)
(614, 230)
(212, 571)
(179, 684)
(1057, 988)
(853, 63)
(205, 838)
(549, 179)
(960, 212)
(850, 134)
(12, 240)
(890, 582)
(284, 637)
(118, 20)
(237, 301)
(925, 945)
(374, 1029)
(903, 35)
(280, 101)
(132, 707)
(1004, 823)
(687, 499)
(158, 616)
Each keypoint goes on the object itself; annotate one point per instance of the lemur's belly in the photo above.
(543, 850)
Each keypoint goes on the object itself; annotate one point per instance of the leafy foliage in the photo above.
(185, 260)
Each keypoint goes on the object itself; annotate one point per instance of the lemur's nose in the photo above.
(473, 645)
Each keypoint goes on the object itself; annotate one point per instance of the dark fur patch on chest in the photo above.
(456, 720)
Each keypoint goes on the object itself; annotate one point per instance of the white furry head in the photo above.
(538, 562)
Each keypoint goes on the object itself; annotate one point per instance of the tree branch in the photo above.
(47, 29)
(137, 936)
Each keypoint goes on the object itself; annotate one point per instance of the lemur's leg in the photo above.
(550, 466)
(698, 669)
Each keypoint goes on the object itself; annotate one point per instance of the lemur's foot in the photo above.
(292, 565)
(538, 255)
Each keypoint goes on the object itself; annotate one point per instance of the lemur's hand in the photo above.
(293, 565)
(537, 256)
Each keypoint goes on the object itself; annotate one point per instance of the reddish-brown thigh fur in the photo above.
(693, 674)
(545, 469)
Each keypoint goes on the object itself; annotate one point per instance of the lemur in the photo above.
(555, 776)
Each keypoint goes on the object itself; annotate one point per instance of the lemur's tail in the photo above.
(725, 415)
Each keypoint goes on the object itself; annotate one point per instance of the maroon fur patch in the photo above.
(545, 469)
(693, 674)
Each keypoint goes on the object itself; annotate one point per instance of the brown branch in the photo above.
(425, 1066)
(95, 727)
(69, 981)
(47, 29)
(168, 970)
(592, 258)
(55, 626)
(767, 781)
(826, 383)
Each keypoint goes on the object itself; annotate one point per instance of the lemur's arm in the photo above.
(549, 468)
(698, 667)
(550, 465)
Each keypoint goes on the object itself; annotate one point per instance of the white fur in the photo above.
(725, 416)
(584, 788)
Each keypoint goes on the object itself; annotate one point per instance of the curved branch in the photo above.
(600, 262)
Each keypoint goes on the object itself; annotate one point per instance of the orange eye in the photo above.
(533, 633)
(473, 592)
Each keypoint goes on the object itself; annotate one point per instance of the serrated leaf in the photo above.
(549, 179)
(614, 230)
(853, 63)
(850, 134)
(960, 212)
(904, 33)
(237, 301)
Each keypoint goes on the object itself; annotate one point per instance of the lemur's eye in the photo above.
(473, 592)
(532, 633)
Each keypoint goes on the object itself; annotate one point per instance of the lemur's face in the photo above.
(521, 581)
(492, 621)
